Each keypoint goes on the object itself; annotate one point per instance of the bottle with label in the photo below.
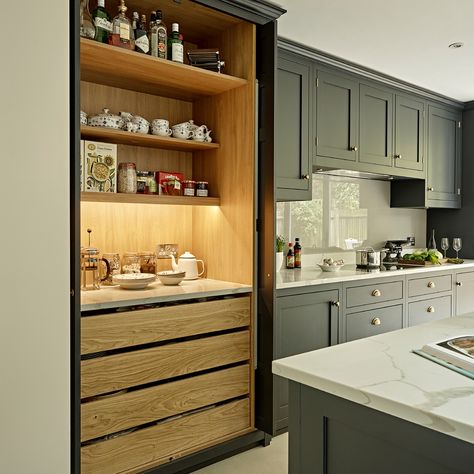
(142, 44)
(290, 257)
(432, 241)
(122, 33)
(175, 45)
(102, 22)
(135, 20)
(159, 37)
(297, 252)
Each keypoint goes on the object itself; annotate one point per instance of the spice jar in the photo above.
(202, 188)
(115, 267)
(127, 178)
(131, 262)
(189, 187)
(147, 262)
(142, 178)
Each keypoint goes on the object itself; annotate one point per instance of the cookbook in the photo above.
(455, 353)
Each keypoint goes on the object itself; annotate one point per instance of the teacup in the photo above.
(187, 125)
(131, 127)
(143, 126)
(182, 133)
(161, 131)
(160, 123)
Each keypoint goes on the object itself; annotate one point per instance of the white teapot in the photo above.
(187, 263)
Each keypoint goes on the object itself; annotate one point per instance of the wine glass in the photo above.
(445, 245)
(457, 245)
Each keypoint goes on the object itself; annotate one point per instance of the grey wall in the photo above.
(460, 222)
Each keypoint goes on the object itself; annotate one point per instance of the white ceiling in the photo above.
(406, 39)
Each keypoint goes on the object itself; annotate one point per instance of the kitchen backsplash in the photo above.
(344, 214)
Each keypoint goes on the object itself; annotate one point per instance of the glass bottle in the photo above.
(122, 33)
(127, 178)
(432, 240)
(102, 23)
(290, 257)
(175, 45)
(297, 252)
(158, 37)
(87, 29)
(142, 44)
(135, 20)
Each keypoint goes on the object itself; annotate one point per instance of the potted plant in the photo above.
(279, 247)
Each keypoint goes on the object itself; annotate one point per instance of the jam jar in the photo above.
(189, 187)
(202, 188)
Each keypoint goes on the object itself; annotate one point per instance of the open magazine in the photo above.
(456, 353)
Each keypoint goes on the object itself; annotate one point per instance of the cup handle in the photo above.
(169, 132)
(107, 269)
(190, 134)
(202, 263)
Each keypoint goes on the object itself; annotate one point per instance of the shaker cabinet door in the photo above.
(292, 154)
(464, 293)
(337, 114)
(376, 126)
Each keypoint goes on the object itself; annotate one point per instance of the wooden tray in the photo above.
(422, 263)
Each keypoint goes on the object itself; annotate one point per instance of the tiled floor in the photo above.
(270, 460)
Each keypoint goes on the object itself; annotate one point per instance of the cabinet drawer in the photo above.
(117, 413)
(115, 372)
(131, 328)
(428, 310)
(429, 285)
(372, 322)
(163, 442)
(374, 293)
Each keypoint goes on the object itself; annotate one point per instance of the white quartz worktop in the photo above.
(115, 297)
(309, 276)
(382, 373)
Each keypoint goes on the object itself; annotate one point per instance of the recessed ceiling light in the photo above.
(456, 45)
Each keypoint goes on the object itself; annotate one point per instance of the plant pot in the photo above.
(278, 261)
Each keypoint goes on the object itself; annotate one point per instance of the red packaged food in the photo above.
(169, 182)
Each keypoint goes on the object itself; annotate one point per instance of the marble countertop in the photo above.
(309, 276)
(115, 297)
(382, 373)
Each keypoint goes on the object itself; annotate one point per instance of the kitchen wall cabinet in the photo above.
(303, 322)
(464, 288)
(293, 124)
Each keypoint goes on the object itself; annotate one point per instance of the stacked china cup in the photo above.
(161, 127)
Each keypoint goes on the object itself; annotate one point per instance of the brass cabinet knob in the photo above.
(305, 176)
(336, 303)
(430, 309)
(431, 284)
(376, 322)
(397, 156)
(353, 148)
(430, 188)
(376, 293)
(459, 283)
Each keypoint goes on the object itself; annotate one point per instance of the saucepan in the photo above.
(368, 258)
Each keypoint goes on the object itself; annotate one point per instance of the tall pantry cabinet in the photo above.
(223, 229)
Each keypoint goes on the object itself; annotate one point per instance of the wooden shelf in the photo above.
(110, 135)
(117, 67)
(149, 199)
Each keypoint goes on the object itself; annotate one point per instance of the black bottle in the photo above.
(297, 252)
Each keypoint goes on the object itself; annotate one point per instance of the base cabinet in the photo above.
(464, 287)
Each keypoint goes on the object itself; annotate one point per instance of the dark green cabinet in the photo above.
(293, 122)
(376, 126)
(464, 284)
(337, 118)
(444, 158)
(303, 323)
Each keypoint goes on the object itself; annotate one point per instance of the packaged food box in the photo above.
(100, 167)
(169, 182)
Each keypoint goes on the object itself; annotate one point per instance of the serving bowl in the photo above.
(133, 281)
(170, 277)
(329, 268)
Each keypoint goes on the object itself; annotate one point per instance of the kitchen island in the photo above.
(373, 406)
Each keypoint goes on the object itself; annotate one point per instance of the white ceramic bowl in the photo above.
(170, 277)
(133, 281)
(329, 268)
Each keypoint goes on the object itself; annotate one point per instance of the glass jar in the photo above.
(87, 28)
(202, 188)
(127, 178)
(131, 262)
(142, 182)
(115, 267)
(147, 262)
(189, 187)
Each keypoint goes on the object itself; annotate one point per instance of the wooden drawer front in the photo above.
(113, 414)
(428, 310)
(158, 444)
(113, 331)
(115, 372)
(372, 322)
(374, 293)
(429, 285)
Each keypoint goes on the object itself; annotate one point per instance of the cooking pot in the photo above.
(368, 258)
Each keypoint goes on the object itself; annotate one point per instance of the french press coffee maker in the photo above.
(91, 264)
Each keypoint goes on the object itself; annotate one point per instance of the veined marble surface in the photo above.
(382, 373)
(309, 276)
(115, 297)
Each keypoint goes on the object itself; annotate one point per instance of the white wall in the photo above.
(34, 238)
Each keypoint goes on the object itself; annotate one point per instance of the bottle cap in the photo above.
(143, 18)
(135, 15)
(159, 15)
(175, 27)
(122, 7)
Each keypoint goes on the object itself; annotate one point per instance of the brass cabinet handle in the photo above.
(459, 283)
(430, 188)
(376, 322)
(376, 293)
(430, 309)
(397, 156)
(431, 284)
(353, 148)
(336, 303)
(305, 176)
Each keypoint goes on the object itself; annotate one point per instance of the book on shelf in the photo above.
(455, 353)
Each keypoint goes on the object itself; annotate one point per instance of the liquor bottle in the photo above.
(142, 44)
(297, 252)
(151, 25)
(432, 241)
(175, 45)
(290, 257)
(103, 25)
(87, 28)
(122, 34)
(135, 20)
(158, 37)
